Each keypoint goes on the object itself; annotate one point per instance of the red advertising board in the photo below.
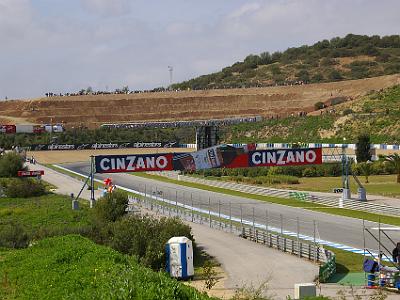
(222, 156)
(30, 173)
(7, 128)
(133, 163)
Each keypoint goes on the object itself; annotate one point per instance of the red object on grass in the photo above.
(30, 173)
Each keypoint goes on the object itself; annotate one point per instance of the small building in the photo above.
(179, 256)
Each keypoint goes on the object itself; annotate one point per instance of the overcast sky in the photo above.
(67, 45)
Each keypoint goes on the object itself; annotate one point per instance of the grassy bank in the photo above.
(73, 267)
(50, 211)
(384, 185)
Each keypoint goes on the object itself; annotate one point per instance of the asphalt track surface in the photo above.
(342, 230)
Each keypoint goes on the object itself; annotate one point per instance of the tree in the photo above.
(10, 164)
(365, 169)
(303, 75)
(111, 207)
(363, 148)
(89, 90)
(125, 89)
(394, 160)
(335, 75)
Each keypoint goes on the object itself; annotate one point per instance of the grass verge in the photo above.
(74, 267)
(50, 211)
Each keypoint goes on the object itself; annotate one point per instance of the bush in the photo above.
(319, 105)
(13, 235)
(145, 237)
(23, 188)
(10, 164)
(347, 111)
(111, 207)
(309, 172)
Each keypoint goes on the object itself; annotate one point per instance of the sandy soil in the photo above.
(59, 157)
(92, 110)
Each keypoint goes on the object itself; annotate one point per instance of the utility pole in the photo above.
(171, 70)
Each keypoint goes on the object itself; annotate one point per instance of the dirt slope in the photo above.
(271, 101)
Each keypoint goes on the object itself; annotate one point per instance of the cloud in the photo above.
(107, 7)
(80, 47)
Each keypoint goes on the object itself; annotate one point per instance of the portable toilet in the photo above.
(179, 255)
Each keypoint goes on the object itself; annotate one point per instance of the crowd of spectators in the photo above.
(125, 90)
(116, 92)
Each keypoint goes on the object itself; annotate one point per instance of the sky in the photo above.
(65, 45)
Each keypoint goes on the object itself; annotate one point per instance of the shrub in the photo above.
(13, 235)
(347, 111)
(145, 237)
(309, 172)
(10, 164)
(319, 105)
(111, 207)
(24, 188)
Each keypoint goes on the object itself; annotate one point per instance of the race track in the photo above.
(342, 230)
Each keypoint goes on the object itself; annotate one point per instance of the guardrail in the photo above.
(332, 201)
(295, 246)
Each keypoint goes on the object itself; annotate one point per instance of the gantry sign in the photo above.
(221, 156)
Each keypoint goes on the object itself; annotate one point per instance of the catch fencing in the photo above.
(318, 198)
(245, 224)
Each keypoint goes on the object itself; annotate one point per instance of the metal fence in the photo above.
(271, 233)
(332, 201)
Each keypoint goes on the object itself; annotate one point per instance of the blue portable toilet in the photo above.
(179, 255)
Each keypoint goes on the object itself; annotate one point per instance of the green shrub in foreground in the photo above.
(10, 164)
(72, 267)
(24, 188)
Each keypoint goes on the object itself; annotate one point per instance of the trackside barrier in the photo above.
(332, 201)
(244, 229)
(328, 268)
(268, 229)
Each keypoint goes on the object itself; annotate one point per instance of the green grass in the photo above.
(289, 202)
(50, 211)
(384, 185)
(73, 267)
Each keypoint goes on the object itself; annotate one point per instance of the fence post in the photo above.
(230, 216)
(241, 216)
(191, 198)
(219, 213)
(254, 226)
(176, 202)
(209, 210)
(298, 236)
(315, 243)
(266, 222)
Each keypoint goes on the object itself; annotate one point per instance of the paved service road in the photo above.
(338, 229)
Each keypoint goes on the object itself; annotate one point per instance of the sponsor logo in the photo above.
(285, 157)
(133, 163)
(61, 147)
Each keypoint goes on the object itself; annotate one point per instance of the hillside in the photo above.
(279, 101)
(377, 114)
(351, 57)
